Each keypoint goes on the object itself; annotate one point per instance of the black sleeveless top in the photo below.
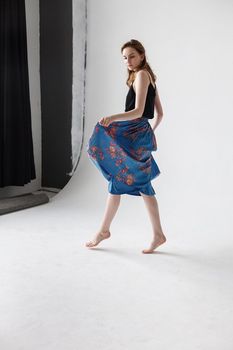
(149, 104)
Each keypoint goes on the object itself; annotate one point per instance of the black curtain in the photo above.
(16, 148)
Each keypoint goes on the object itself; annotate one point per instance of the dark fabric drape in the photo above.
(16, 147)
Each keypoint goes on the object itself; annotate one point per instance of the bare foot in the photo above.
(155, 243)
(98, 238)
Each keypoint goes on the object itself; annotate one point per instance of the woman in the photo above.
(121, 145)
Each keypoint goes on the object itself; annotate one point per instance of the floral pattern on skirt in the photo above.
(122, 152)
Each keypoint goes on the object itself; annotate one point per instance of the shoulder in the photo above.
(142, 74)
(142, 78)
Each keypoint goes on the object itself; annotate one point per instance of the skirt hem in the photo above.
(147, 189)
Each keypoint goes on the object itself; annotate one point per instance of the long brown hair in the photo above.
(135, 44)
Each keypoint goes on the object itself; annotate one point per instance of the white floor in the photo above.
(56, 294)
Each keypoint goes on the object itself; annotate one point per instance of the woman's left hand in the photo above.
(106, 121)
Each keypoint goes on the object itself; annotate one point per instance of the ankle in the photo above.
(104, 230)
(159, 234)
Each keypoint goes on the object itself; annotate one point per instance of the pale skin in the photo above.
(140, 85)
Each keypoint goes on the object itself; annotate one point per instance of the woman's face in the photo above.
(132, 58)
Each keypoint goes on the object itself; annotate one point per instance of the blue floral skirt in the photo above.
(122, 152)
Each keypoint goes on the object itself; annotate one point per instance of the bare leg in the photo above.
(153, 209)
(113, 202)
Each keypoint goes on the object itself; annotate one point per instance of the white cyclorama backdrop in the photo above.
(189, 47)
(113, 296)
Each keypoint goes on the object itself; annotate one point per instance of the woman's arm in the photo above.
(159, 110)
(141, 87)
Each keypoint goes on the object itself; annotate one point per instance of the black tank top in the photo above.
(149, 104)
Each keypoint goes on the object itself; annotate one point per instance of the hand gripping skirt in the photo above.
(122, 152)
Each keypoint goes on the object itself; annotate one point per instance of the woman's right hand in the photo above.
(157, 121)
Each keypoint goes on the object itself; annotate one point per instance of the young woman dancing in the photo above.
(121, 145)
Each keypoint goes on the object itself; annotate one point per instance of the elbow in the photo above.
(138, 112)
